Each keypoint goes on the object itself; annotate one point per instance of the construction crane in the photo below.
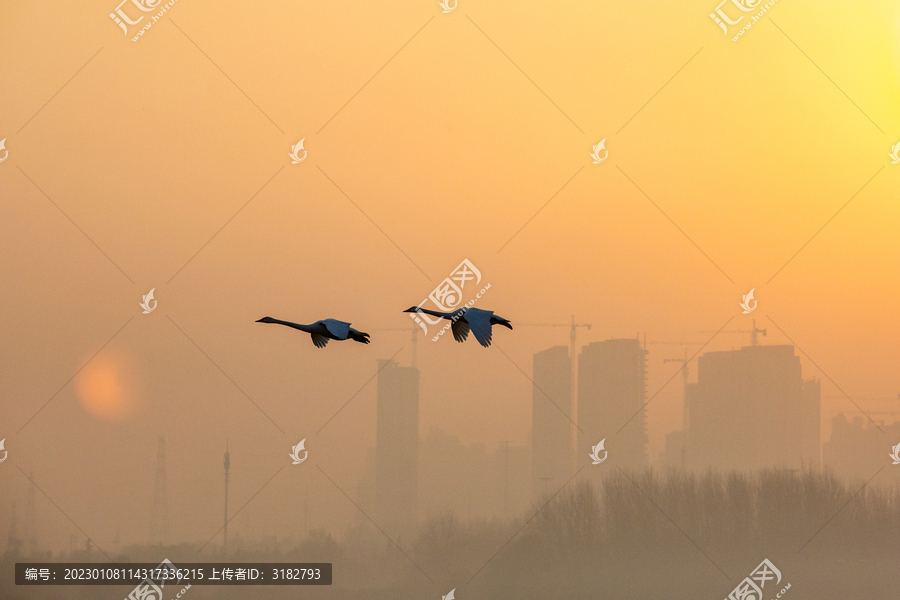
(573, 325)
(572, 335)
(414, 330)
(684, 382)
(684, 371)
(754, 338)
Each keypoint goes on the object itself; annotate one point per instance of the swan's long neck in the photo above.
(300, 326)
(435, 313)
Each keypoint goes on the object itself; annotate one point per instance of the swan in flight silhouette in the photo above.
(324, 330)
(465, 319)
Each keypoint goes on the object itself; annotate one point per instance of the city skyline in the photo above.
(397, 381)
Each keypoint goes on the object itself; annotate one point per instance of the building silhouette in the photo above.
(552, 457)
(469, 481)
(751, 409)
(857, 448)
(396, 448)
(612, 377)
(452, 477)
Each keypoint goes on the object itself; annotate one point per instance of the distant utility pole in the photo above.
(505, 444)
(227, 468)
(160, 513)
(30, 531)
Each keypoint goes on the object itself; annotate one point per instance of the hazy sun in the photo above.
(106, 388)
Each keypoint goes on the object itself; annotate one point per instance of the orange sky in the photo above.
(176, 147)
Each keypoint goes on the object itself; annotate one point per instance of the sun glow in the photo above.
(106, 388)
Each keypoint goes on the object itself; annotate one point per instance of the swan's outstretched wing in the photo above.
(460, 329)
(480, 323)
(338, 329)
(319, 340)
(359, 336)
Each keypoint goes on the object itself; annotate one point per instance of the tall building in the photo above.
(612, 377)
(751, 409)
(551, 421)
(396, 448)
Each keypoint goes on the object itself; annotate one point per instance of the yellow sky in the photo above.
(460, 127)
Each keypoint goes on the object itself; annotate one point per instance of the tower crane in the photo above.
(684, 382)
(754, 338)
(572, 335)
(414, 330)
(573, 325)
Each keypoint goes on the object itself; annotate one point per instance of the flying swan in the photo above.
(324, 330)
(464, 319)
